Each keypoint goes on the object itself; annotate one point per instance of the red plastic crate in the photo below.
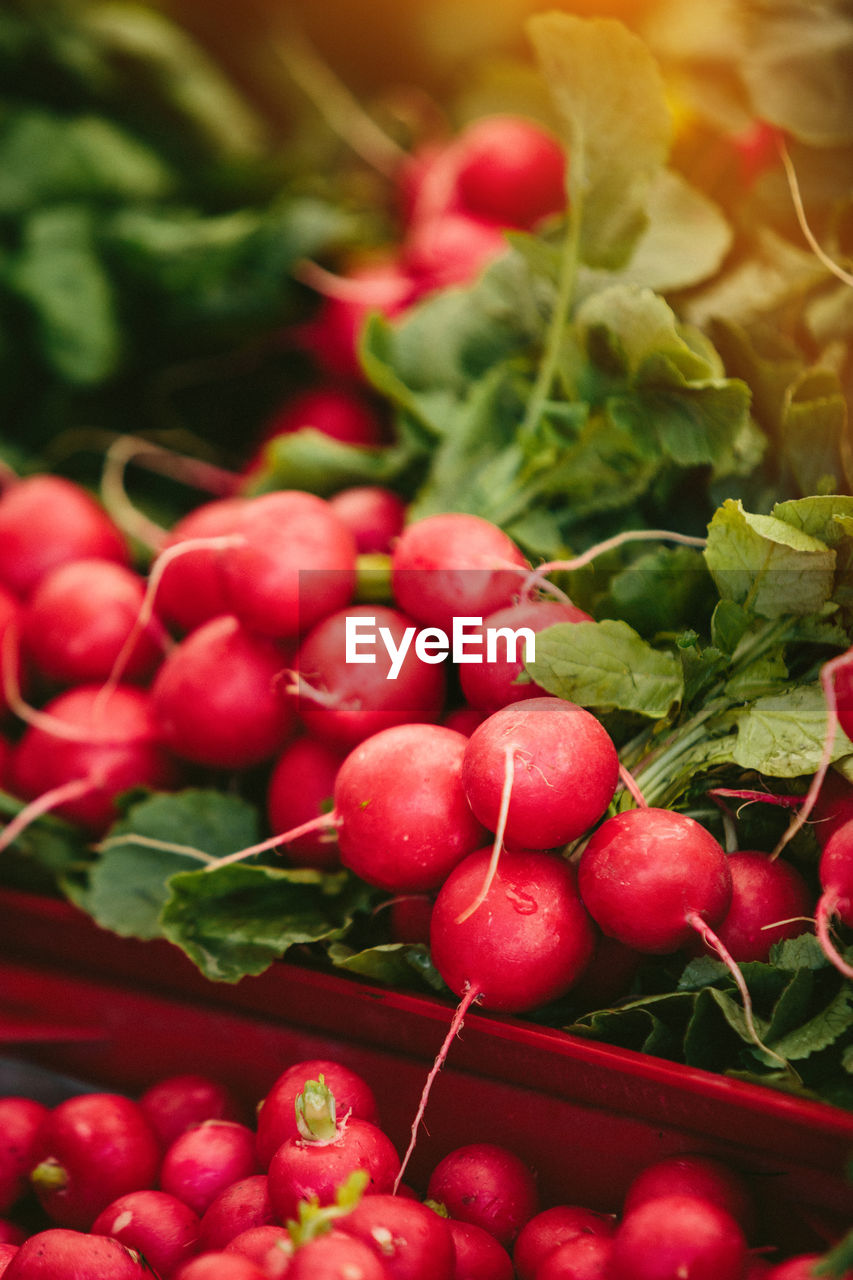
(586, 1116)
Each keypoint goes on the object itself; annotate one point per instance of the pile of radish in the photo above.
(179, 1184)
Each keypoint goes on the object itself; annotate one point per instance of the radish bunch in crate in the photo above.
(177, 1184)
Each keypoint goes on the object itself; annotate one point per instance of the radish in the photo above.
(511, 170)
(300, 789)
(11, 1233)
(452, 565)
(78, 620)
(20, 1122)
(176, 1103)
(678, 1237)
(220, 1266)
(75, 1255)
(242, 1204)
(160, 1227)
(770, 900)
(335, 1256)
(83, 750)
(489, 686)
(10, 629)
(834, 806)
(836, 877)
(277, 1113)
(205, 1160)
(550, 1228)
(488, 1185)
(464, 720)
(608, 976)
(410, 916)
(296, 563)
(90, 1149)
(328, 1150)
(216, 698)
(451, 249)
(343, 697)
(479, 1256)
(45, 521)
(382, 285)
(191, 589)
(374, 515)
(269, 1247)
(7, 1253)
(402, 817)
(411, 1239)
(340, 412)
(583, 1258)
(695, 1175)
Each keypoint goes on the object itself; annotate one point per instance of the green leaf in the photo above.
(782, 735)
(128, 885)
(44, 852)
(606, 665)
(311, 460)
(610, 99)
(237, 919)
(804, 952)
(767, 564)
(395, 964)
(821, 1031)
(812, 430)
(838, 1261)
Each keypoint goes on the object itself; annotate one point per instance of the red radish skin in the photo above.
(564, 771)
(302, 1168)
(116, 746)
(78, 620)
(770, 902)
(550, 1228)
(450, 250)
(488, 686)
(277, 1113)
(694, 1174)
(340, 412)
(301, 786)
(336, 1256)
(217, 700)
(479, 1256)
(373, 514)
(46, 521)
(834, 806)
(11, 612)
(269, 1247)
(191, 589)
(403, 819)
(411, 1239)
(11, 1233)
(160, 1227)
(7, 1253)
(342, 702)
(464, 720)
(239, 1206)
(220, 1266)
(584, 1258)
(678, 1238)
(511, 170)
(488, 1185)
(644, 871)
(608, 976)
(20, 1122)
(296, 565)
(333, 336)
(75, 1255)
(452, 565)
(527, 943)
(91, 1149)
(205, 1160)
(835, 871)
(411, 914)
(5, 763)
(177, 1103)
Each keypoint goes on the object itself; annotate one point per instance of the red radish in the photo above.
(296, 565)
(836, 877)
(479, 1256)
(511, 170)
(11, 1233)
(10, 624)
(269, 1247)
(333, 336)
(340, 412)
(486, 1184)
(559, 763)
(403, 819)
(453, 565)
(216, 696)
(678, 1238)
(300, 788)
(756, 149)
(550, 1228)
(769, 902)
(583, 1258)
(45, 521)
(5, 763)
(78, 620)
(335, 1256)
(759, 1269)
(489, 686)
(374, 515)
(464, 720)
(20, 1122)
(205, 1160)
(239, 1206)
(7, 1253)
(90, 1149)
(191, 588)
(176, 1103)
(694, 1175)
(802, 1267)
(411, 914)
(113, 744)
(343, 698)
(834, 806)
(450, 250)
(221, 1266)
(411, 1239)
(74, 1255)
(160, 1227)
(608, 976)
(277, 1112)
(329, 1149)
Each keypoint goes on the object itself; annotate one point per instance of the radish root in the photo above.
(825, 910)
(497, 847)
(319, 823)
(46, 802)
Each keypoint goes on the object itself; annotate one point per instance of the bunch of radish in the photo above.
(177, 1184)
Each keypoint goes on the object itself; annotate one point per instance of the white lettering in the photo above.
(511, 639)
(431, 645)
(396, 652)
(463, 637)
(353, 639)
